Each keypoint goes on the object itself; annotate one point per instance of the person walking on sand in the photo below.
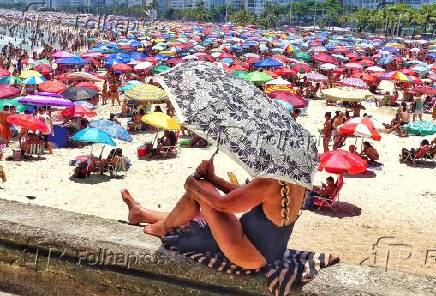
(326, 132)
(419, 108)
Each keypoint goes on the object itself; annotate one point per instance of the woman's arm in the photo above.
(222, 184)
(237, 201)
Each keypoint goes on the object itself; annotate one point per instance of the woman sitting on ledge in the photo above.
(258, 238)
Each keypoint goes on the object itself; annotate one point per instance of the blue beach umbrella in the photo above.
(33, 80)
(93, 135)
(71, 61)
(268, 63)
(113, 129)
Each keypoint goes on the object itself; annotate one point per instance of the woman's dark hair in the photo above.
(367, 144)
(330, 179)
(329, 114)
(425, 142)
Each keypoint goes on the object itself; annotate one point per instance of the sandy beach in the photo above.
(397, 204)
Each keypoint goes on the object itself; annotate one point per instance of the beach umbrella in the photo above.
(268, 63)
(71, 61)
(161, 120)
(427, 90)
(146, 93)
(420, 69)
(79, 94)
(375, 69)
(4, 72)
(346, 94)
(28, 122)
(121, 68)
(10, 80)
(354, 82)
(45, 100)
(301, 68)
(7, 91)
(130, 84)
(12, 102)
(243, 121)
(283, 71)
(160, 69)
(78, 111)
(82, 76)
(85, 104)
(29, 73)
(360, 127)
(281, 103)
(422, 128)
(62, 54)
(93, 135)
(43, 69)
(396, 76)
(258, 77)
(324, 58)
(302, 56)
(52, 86)
(240, 74)
(353, 66)
(328, 66)
(87, 84)
(315, 76)
(366, 77)
(112, 128)
(278, 81)
(143, 66)
(293, 99)
(341, 161)
(33, 80)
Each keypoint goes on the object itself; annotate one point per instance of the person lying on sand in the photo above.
(369, 152)
(259, 237)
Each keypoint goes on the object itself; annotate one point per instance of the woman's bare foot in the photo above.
(157, 229)
(136, 213)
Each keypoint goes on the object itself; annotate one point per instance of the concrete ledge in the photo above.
(46, 251)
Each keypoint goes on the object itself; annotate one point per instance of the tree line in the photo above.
(394, 19)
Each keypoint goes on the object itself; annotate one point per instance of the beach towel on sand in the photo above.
(296, 267)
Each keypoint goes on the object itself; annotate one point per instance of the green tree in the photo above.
(243, 17)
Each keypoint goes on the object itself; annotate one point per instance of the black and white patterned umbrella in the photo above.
(258, 134)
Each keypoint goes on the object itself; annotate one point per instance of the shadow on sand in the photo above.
(422, 164)
(366, 174)
(340, 210)
(94, 179)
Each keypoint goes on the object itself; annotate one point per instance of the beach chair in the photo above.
(424, 153)
(34, 147)
(329, 202)
(166, 152)
(115, 167)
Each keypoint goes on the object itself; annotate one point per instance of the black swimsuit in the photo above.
(269, 239)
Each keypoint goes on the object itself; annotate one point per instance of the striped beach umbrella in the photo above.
(146, 93)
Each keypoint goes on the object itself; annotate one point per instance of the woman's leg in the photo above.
(137, 214)
(225, 227)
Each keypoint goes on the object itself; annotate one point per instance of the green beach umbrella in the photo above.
(302, 56)
(10, 80)
(240, 74)
(257, 77)
(12, 102)
(423, 128)
(160, 69)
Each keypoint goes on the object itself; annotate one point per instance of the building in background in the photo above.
(376, 3)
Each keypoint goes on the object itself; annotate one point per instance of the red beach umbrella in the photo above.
(7, 91)
(52, 86)
(324, 58)
(87, 85)
(301, 67)
(361, 127)
(121, 67)
(283, 71)
(427, 90)
(4, 72)
(341, 161)
(29, 122)
(43, 69)
(293, 99)
(78, 111)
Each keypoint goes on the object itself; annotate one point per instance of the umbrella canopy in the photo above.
(423, 128)
(7, 91)
(268, 63)
(130, 84)
(52, 86)
(87, 84)
(160, 69)
(79, 94)
(30, 73)
(301, 68)
(44, 69)
(13, 102)
(293, 99)
(324, 58)
(81, 76)
(78, 111)
(10, 80)
(362, 127)
(346, 94)
(428, 90)
(143, 66)
(240, 74)
(146, 93)
(62, 54)
(28, 122)
(258, 134)
(354, 82)
(161, 120)
(93, 135)
(258, 77)
(121, 68)
(4, 72)
(42, 100)
(112, 128)
(315, 76)
(34, 80)
(341, 161)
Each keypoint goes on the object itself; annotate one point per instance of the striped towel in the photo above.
(296, 268)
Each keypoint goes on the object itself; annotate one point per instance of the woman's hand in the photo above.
(206, 169)
(191, 184)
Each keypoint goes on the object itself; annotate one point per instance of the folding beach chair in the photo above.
(330, 201)
(424, 153)
(35, 147)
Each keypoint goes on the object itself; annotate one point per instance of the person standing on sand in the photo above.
(326, 132)
(419, 108)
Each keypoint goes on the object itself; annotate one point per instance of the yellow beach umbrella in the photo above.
(346, 94)
(146, 93)
(161, 120)
(30, 73)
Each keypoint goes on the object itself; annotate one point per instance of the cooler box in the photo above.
(142, 151)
